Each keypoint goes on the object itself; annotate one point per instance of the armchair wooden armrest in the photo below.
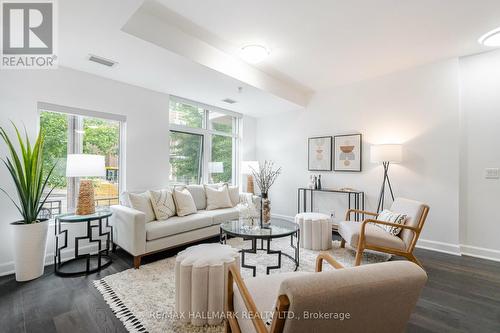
(328, 258)
(350, 211)
(235, 277)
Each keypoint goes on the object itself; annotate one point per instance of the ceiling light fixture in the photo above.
(254, 53)
(491, 38)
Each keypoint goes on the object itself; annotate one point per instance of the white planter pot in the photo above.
(30, 243)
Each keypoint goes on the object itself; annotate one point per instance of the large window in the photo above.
(76, 134)
(203, 143)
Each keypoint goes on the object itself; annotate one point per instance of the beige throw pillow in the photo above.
(184, 202)
(234, 194)
(163, 204)
(142, 203)
(388, 216)
(218, 197)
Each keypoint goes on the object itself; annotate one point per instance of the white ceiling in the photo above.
(315, 44)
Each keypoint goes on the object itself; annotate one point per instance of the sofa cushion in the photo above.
(199, 196)
(218, 198)
(184, 202)
(176, 225)
(264, 291)
(376, 236)
(163, 204)
(219, 216)
(142, 203)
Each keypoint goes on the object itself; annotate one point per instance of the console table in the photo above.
(355, 199)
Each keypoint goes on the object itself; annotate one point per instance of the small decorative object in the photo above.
(246, 169)
(320, 154)
(319, 182)
(385, 154)
(30, 178)
(83, 165)
(311, 182)
(347, 154)
(315, 182)
(265, 178)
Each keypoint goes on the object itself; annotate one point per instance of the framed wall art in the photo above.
(320, 153)
(347, 153)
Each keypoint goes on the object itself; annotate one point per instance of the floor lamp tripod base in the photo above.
(386, 180)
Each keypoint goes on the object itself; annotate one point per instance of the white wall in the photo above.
(479, 197)
(417, 107)
(147, 142)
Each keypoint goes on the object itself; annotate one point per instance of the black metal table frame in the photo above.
(102, 253)
(358, 198)
(268, 238)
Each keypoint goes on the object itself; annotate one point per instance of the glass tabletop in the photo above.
(277, 228)
(72, 217)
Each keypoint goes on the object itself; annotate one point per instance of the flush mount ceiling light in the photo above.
(254, 53)
(491, 38)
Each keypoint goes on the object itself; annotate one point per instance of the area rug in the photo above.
(144, 299)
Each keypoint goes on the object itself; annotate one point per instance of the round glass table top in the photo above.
(244, 228)
(72, 217)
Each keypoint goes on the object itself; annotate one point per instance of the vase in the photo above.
(30, 243)
(266, 209)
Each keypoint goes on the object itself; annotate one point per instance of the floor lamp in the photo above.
(385, 154)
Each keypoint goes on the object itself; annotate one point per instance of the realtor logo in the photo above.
(28, 34)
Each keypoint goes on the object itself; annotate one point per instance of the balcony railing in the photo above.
(54, 207)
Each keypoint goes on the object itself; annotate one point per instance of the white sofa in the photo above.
(139, 238)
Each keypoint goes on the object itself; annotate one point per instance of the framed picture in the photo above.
(320, 153)
(347, 152)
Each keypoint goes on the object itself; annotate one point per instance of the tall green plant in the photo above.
(26, 169)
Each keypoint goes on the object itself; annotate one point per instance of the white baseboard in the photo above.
(480, 252)
(442, 247)
(66, 254)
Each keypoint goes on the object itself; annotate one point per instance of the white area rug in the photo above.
(144, 299)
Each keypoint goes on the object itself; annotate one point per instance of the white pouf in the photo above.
(315, 231)
(200, 282)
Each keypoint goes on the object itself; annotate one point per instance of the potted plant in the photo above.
(30, 233)
(265, 178)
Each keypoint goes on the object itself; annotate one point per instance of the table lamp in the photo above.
(247, 168)
(385, 154)
(84, 165)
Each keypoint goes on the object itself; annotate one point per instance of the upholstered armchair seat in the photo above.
(374, 235)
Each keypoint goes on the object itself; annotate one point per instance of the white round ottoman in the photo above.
(315, 231)
(200, 282)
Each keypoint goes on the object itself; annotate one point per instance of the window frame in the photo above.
(78, 112)
(207, 133)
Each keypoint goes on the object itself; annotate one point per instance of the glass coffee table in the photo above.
(276, 229)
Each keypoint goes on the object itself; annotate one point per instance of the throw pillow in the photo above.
(388, 216)
(142, 203)
(184, 202)
(218, 198)
(163, 204)
(234, 194)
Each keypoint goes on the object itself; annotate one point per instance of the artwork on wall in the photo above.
(320, 154)
(347, 152)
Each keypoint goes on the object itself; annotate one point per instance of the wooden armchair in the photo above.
(364, 235)
(387, 291)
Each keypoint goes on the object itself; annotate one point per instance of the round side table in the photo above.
(98, 231)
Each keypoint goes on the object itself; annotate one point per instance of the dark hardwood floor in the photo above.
(462, 295)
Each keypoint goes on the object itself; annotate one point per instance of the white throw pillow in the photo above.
(388, 216)
(218, 198)
(184, 202)
(142, 203)
(163, 204)
(234, 194)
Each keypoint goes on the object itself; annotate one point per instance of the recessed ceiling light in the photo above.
(254, 53)
(491, 38)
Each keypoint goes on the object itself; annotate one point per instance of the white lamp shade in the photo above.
(386, 153)
(247, 166)
(215, 167)
(85, 165)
